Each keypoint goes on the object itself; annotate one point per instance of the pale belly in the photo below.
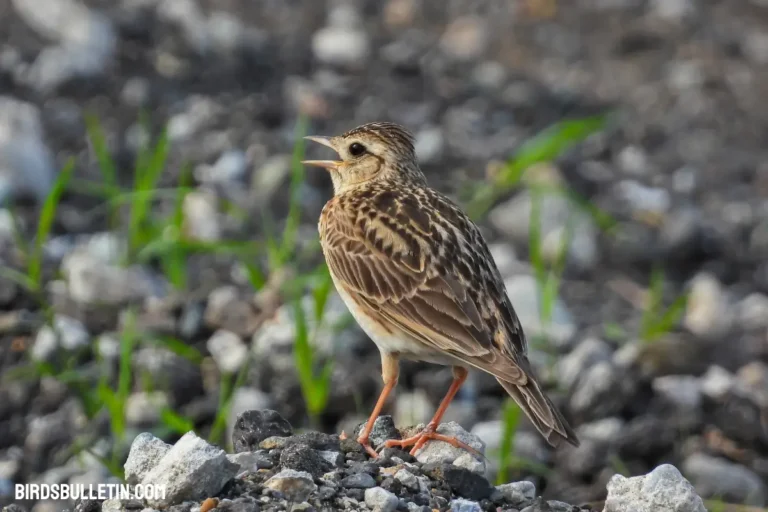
(397, 342)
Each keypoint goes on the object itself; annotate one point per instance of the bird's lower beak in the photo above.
(327, 164)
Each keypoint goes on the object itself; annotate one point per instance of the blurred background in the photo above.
(160, 263)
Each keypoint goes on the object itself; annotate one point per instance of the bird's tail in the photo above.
(541, 411)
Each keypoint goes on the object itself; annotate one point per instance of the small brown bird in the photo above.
(418, 277)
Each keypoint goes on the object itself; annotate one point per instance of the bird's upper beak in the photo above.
(327, 164)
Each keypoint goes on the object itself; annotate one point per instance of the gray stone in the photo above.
(296, 486)
(513, 219)
(250, 462)
(643, 200)
(146, 452)
(713, 476)
(91, 280)
(408, 479)
(681, 390)
(586, 354)
(524, 293)
(633, 160)
(144, 408)
(230, 168)
(191, 470)
(380, 500)
(462, 505)
(254, 426)
(518, 494)
(358, 481)
(26, 162)
(228, 350)
(664, 488)
(600, 391)
(465, 38)
(752, 311)
(436, 452)
(86, 41)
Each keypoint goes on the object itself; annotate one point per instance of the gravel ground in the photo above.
(681, 169)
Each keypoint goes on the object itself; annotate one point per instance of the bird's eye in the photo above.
(356, 149)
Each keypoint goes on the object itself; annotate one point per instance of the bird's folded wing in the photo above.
(390, 274)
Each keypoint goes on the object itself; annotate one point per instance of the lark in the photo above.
(417, 275)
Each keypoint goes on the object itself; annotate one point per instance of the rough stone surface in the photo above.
(664, 488)
(253, 427)
(146, 452)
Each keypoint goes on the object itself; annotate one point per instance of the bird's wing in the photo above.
(425, 269)
(417, 264)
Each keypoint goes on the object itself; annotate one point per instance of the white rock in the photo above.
(201, 216)
(717, 382)
(440, 452)
(470, 462)
(91, 281)
(664, 488)
(681, 390)
(26, 162)
(67, 333)
(644, 199)
(381, 500)
(752, 378)
(191, 470)
(633, 160)
(296, 486)
(229, 168)
(146, 452)
(228, 350)
(144, 408)
(429, 144)
(707, 314)
(462, 505)
(340, 45)
(604, 430)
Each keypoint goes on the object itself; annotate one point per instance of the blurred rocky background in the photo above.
(160, 263)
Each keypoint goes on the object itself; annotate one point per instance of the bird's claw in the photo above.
(420, 439)
(367, 447)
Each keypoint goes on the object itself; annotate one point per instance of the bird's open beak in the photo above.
(327, 164)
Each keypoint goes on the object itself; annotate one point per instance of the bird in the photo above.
(418, 277)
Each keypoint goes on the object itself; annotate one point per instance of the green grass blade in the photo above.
(44, 225)
(511, 419)
(176, 422)
(101, 150)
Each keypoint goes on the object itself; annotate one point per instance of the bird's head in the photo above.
(373, 151)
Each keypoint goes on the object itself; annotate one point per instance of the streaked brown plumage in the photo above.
(417, 275)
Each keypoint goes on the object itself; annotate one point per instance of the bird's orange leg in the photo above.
(390, 371)
(420, 439)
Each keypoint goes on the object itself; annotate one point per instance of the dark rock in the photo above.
(350, 445)
(326, 492)
(182, 507)
(386, 455)
(461, 481)
(86, 506)
(356, 494)
(363, 467)
(316, 440)
(391, 485)
(646, 436)
(538, 506)
(301, 457)
(252, 427)
(358, 481)
(383, 430)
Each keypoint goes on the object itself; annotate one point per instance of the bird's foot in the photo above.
(420, 439)
(367, 446)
